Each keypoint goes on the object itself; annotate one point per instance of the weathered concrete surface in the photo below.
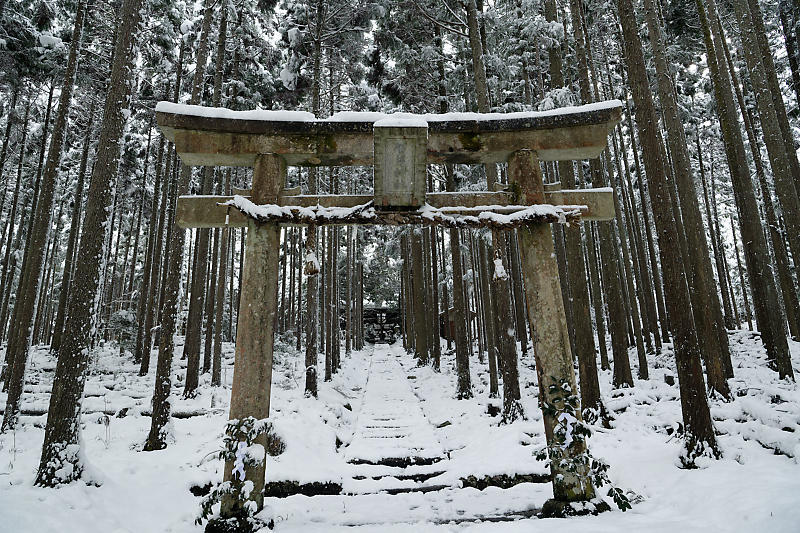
(252, 374)
(551, 346)
(202, 140)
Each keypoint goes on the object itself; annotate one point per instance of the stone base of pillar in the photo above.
(553, 508)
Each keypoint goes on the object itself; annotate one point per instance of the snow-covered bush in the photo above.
(123, 326)
(241, 449)
(570, 434)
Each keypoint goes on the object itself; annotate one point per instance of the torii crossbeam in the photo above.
(399, 147)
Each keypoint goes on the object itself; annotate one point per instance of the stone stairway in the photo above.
(395, 472)
(394, 448)
(371, 479)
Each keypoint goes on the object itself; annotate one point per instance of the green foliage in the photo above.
(123, 326)
(568, 447)
(24, 56)
(338, 37)
(240, 448)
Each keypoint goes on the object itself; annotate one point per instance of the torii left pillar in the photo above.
(252, 373)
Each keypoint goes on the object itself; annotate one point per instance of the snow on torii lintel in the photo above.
(221, 112)
(484, 216)
(379, 119)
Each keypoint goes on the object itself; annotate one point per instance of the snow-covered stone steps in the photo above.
(508, 517)
(392, 429)
(389, 485)
(398, 461)
(414, 472)
(413, 510)
(373, 479)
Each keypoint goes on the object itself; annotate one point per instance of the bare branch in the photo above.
(444, 25)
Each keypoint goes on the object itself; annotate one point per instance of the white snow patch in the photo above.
(401, 120)
(295, 36)
(499, 269)
(311, 258)
(221, 112)
(49, 41)
(380, 119)
(753, 487)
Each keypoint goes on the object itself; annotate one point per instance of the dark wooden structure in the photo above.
(381, 324)
(447, 325)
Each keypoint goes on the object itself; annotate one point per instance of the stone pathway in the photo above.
(392, 429)
(398, 475)
(394, 448)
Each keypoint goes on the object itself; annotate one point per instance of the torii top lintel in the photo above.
(220, 137)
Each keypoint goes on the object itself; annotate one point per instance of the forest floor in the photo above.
(381, 408)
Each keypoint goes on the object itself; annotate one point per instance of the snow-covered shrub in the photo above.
(241, 449)
(123, 326)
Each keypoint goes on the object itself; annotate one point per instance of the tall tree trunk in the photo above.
(216, 99)
(633, 238)
(286, 291)
(437, 348)
(699, 435)
(499, 298)
(718, 255)
(60, 461)
(142, 351)
(460, 310)
(298, 316)
(613, 291)
(152, 296)
(311, 262)
(757, 258)
(742, 284)
(463, 384)
(27, 219)
(421, 348)
(768, 62)
(489, 322)
(623, 237)
(584, 347)
(791, 305)
(37, 239)
(348, 302)
(45, 289)
(520, 321)
(12, 242)
(705, 303)
(157, 437)
(194, 320)
(645, 208)
(210, 306)
(782, 163)
(790, 40)
(10, 120)
(328, 291)
(512, 406)
(216, 367)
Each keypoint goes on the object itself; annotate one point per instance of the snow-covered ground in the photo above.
(382, 394)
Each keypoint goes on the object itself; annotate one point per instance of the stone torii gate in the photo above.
(399, 147)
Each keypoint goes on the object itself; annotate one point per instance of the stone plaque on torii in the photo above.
(399, 147)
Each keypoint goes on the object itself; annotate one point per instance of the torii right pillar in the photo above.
(566, 445)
